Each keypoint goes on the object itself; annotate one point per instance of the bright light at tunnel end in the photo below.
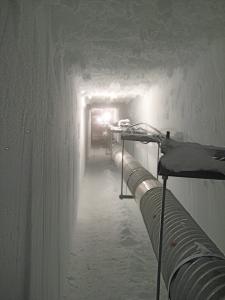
(105, 118)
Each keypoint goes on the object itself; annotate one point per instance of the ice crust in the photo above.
(181, 156)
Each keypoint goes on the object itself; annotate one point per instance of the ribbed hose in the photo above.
(193, 267)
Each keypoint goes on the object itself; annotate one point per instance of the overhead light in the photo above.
(105, 118)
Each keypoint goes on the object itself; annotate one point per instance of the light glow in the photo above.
(105, 118)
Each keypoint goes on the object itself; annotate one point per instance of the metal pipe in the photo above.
(193, 268)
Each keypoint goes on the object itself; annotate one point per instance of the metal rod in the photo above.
(161, 232)
(126, 197)
(121, 190)
(161, 238)
(158, 161)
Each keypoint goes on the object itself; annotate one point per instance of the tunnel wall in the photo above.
(82, 131)
(190, 102)
(38, 151)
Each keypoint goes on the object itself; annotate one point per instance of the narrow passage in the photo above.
(112, 257)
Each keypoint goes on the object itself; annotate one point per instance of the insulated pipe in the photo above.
(193, 268)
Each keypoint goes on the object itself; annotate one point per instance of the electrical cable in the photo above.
(148, 125)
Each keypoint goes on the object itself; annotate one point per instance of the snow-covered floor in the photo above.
(112, 257)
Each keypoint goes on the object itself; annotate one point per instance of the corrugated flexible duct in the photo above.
(193, 267)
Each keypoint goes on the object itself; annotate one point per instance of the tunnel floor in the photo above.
(111, 257)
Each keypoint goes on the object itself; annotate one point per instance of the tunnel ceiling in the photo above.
(120, 40)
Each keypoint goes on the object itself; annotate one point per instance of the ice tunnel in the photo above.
(71, 72)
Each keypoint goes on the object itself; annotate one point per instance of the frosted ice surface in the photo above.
(181, 156)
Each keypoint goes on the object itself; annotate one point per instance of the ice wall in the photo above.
(82, 130)
(190, 102)
(38, 150)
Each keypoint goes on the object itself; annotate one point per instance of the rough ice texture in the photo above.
(184, 156)
(190, 102)
(117, 42)
(38, 155)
